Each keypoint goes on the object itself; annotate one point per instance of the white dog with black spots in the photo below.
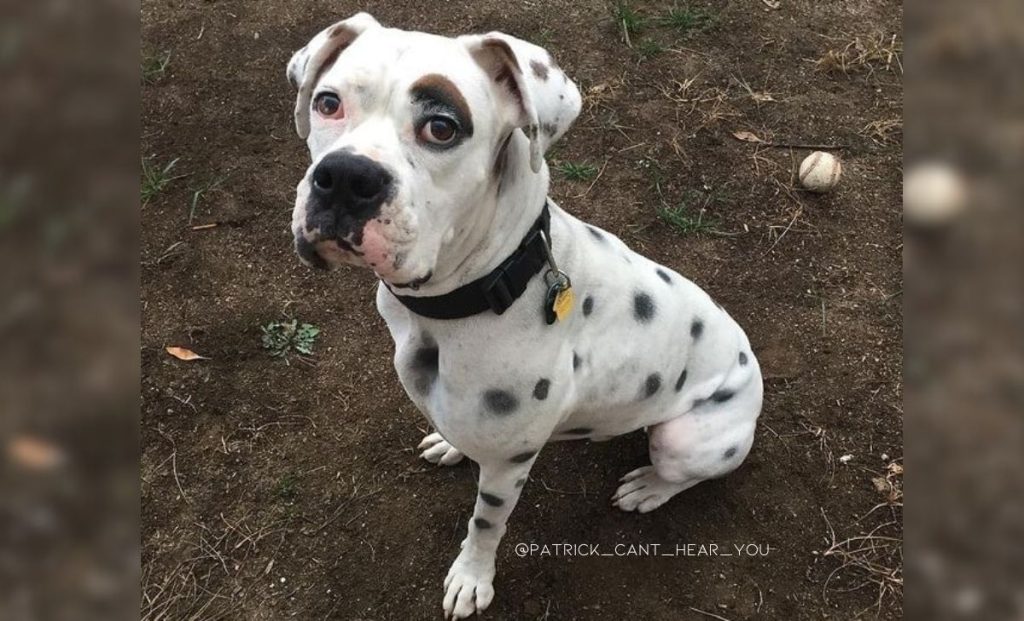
(428, 168)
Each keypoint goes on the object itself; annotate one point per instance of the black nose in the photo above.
(350, 182)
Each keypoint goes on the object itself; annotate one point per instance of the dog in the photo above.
(514, 323)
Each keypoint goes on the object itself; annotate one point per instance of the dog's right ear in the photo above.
(307, 64)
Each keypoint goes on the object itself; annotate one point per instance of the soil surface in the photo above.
(289, 487)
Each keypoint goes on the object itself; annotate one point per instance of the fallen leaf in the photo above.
(746, 136)
(881, 484)
(895, 468)
(185, 354)
(34, 453)
(772, 4)
(762, 97)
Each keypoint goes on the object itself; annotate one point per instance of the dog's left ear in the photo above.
(542, 100)
(307, 64)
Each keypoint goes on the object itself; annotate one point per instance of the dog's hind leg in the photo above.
(709, 441)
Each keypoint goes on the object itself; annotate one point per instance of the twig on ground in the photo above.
(709, 614)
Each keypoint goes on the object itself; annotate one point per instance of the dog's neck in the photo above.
(495, 227)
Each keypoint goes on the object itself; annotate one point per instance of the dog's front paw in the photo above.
(468, 587)
(437, 451)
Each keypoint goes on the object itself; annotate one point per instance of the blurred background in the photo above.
(69, 319)
(963, 370)
(69, 316)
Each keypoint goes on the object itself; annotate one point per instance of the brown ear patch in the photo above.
(507, 63)
(328, 63)
(539, 69)
(337, 31)
(340, 29)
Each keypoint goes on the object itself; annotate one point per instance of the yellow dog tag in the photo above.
(563, 303)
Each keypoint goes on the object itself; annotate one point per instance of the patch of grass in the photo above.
(155, 178)
(281, 337)
(197, 194)
(287, 488)
(628, 19)
(690, 217)
(154, 67)
(576, 172)
(685, 221)
(544, 37)
(649, 48)
(687, 19)
(652, 168)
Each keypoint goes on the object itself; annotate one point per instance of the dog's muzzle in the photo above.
(346, 191)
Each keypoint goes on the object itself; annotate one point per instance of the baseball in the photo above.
(820, 171)
(933, 194)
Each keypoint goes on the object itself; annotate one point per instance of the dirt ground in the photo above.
(289, 487)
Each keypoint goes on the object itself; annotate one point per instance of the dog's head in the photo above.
(408, 133)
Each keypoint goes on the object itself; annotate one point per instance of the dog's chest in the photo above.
(479, 379)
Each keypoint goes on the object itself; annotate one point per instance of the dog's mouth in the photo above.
(324, 254)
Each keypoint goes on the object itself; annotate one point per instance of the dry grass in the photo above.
(710, 104)
(864, 54)
(883, 131)
(209, 557)
(874, 559)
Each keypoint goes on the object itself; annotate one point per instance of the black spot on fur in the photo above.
(662, 274)
(425, 365)
(743, 359)
(482, 524)
(521, 482)
(578, 431)
(588, 306)
(651, 385)
(721, 396)
(598, 235)
(576, 361)
(729, 452)
(681, 381)
(522, 458)
(643, 307)
(540, 391)
(500, 401)
(696, 328)
(491, 499)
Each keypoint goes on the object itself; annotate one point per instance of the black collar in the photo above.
(495, 291)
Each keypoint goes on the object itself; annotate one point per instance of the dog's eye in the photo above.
(439, 130)
(328, 105)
